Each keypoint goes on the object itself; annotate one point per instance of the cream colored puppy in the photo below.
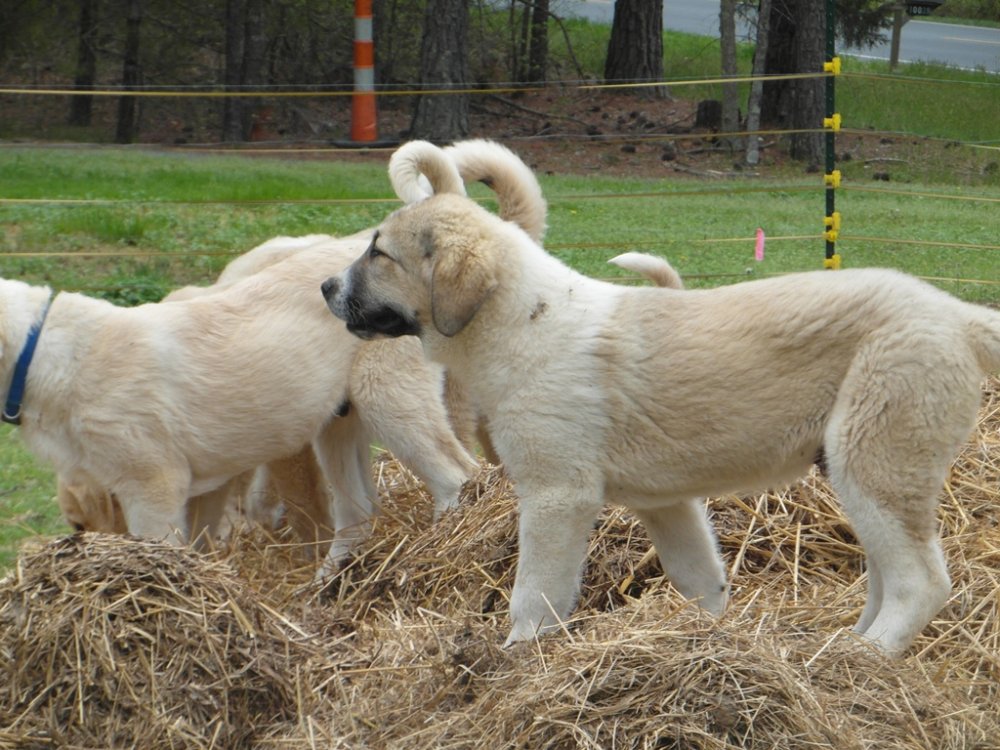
(375, 407)
(162, 402)
(379, 410)
(421, 441)
(654, 398)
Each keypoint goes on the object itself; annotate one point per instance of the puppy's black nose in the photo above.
(329, 287)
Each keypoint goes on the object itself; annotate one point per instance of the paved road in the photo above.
(961, 46)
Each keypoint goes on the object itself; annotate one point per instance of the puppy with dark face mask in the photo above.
(654, 398)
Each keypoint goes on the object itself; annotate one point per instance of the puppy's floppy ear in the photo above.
(462, 279)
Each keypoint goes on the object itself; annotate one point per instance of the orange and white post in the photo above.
(363, 128)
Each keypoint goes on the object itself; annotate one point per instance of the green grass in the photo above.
(27, 498)
(191, 211)
(911, 101)
(151, 245)
(689, 223)
(977, 12)
(920, 98)
(144, 174)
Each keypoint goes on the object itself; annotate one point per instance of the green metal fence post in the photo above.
(831, 221)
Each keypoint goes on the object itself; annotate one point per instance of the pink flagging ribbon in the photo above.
(758, 250)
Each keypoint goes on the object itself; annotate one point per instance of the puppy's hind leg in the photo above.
(685, 543)
(892, 435)
(342, 449)
(907, 577)
(298, 484)
(206, 511)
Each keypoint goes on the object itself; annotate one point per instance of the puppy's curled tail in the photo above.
(519, 196)
(419, 169)
(654, 268)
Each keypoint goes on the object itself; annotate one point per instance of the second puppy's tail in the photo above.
(419, 169)
(519, 196)
(653, 267)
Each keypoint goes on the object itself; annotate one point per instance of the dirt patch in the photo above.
(557, 130)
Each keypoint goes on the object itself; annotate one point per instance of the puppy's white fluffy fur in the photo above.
(654, 398)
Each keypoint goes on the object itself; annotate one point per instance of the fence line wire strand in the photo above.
(309, 90)
(421, 88)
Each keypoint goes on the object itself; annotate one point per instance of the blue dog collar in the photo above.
(12, 409)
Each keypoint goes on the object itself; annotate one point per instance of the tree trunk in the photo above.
(514, 48)
(521, 51)
(809, 93)
(131, 75)
(538, 48)
(635, 50)
(797, 45)
(81, 107)
(232, 107)
(252, 72)
(774, 103)
(757, 87)
(730, 91)
(443, 63)
(244, 66)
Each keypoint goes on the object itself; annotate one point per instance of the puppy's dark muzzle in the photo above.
(330, 288)
(336, 303)
(382, 321)
(364, 322)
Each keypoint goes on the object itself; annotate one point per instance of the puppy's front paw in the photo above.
(528, 628)
(518, 635)
(715, 600)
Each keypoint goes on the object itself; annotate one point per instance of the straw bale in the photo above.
(115, 642)
(403, 648)
(646, 676)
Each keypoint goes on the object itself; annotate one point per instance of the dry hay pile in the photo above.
(403, 649)
(110, 642)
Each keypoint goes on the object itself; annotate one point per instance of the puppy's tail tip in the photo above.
(419, 169)
(652, 267)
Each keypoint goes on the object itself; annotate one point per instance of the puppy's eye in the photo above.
(374, 252)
